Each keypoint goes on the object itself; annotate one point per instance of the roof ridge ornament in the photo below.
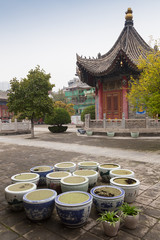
(129, 17)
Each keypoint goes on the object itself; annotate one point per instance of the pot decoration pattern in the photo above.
(39, 204)
(104, 170)
(73, 208)
(107, 198)
(42, 171)
(25, 177)
(14, 194)
(65, 166)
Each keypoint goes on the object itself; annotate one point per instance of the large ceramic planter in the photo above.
(90, 174)
(134, 134)
(25, 177)
(73, 208)
(110, 229)
(131, 222)
(130, 186)
(113, 199)
(53, 180)
(39, 204)
(104, 170)
(121, 173)
(88, 165)
(42, 171)
(65, 166)
(14, 194)
(89, 133)
(74, 183)
(110, 134)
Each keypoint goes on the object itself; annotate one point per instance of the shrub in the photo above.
(88, 110)
(57, 129)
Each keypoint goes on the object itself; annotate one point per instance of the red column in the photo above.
(124, 93)
(100, 96)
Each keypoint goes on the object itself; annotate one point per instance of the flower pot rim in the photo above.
(89, 175)
(100, 166)
(58, 178)
(26, 200)
(121, 169)
(103, 197)
(32, 169)
(94, 165)
(73, 184)
(126, 185)
(25, 191)
(25, 180)
(56, 165)
(58, 202)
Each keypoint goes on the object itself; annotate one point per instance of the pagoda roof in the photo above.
(129, 47)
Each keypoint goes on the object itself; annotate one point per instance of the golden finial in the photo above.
(129, 15)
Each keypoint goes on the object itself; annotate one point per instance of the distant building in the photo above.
(79, 94)
(4, 113)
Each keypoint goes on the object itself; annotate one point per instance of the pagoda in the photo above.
(110, 73)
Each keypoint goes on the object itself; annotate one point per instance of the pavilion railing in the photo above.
(15, 126)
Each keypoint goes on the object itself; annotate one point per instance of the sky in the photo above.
(49, 33)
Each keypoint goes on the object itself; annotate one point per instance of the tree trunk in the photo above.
(32, 128)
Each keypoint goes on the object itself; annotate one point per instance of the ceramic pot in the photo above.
(110, 134)
(111, 202)
(121, 173)
(131, 222)
(74, 183)
(131, 189)
(90, 174)
(88, 165)
(109, 229)
(53, 180)
(65, 166)
(73, 208)
(25, 177)
(134, 134)
(14, 194)
(104, 170)
(42, 171)
(89, 133)
(39, 204)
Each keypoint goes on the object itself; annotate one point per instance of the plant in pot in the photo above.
(58, 117)
(130, 215)
(110, 222)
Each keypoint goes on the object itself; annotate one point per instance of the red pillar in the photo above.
(124, 93)
(100, 96)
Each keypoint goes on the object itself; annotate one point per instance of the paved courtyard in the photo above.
(19, 153)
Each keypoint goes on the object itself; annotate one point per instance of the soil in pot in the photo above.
(25, 176)
(73, 198)
(84, 172)
(74, 180)
(65, 165)
(107, 192)
(20, 187)
(121, 172)
(39, 195)
(109, 166)
(58, 174)
(88, 164)
(42, 169)
(125, 181)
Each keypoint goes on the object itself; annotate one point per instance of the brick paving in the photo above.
(16, 158)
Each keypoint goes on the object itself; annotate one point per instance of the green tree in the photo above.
(29, 97)
(145, 92)
(59, 96)
(88, 110)
(69, 107)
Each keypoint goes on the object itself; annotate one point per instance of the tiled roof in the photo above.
(129, 45)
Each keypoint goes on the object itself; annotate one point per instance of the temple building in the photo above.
(110, 73)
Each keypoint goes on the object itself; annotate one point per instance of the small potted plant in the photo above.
(130, 215)
(110, 222)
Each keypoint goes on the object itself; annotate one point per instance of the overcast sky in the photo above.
(49, 33)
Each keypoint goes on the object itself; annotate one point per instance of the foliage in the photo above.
(129, 210)
(108, 216)
(59, 96)
(29, 98)
(57, 129)
(68, 107)
(145, 92)
(58, 117)
(88, 110)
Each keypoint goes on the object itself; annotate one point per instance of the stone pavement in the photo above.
(20, 153)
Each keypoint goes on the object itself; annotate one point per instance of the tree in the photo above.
(145, 92)
(59, 96)
(29, 97)
(68, 107)
(88, 110)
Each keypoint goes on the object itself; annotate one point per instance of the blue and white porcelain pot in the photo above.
(74, 183)
(121, 173)
(105, 168)
(92, 175)
(88, 165)
(14, 194)
(26, 177)
(107, 198)
(73, 208)
(39, 204)
(42, 171)
(65, 166)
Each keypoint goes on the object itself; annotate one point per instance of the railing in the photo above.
(15, 126)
